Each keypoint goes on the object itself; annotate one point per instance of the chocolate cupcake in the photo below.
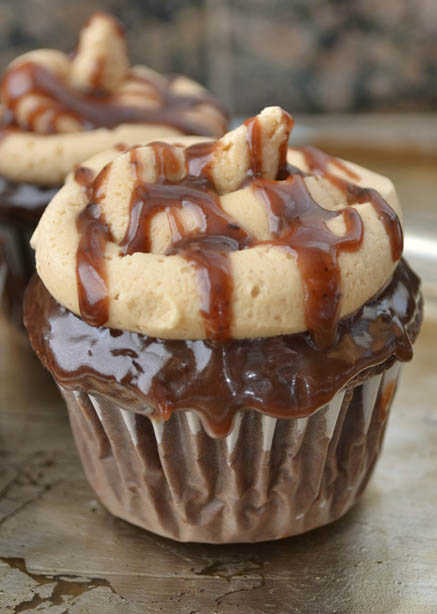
(57, 110)
(226, 321)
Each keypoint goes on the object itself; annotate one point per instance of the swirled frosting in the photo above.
(241, 237)
(59, 109)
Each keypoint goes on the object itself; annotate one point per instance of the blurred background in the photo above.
(309, 56)
(359, 75)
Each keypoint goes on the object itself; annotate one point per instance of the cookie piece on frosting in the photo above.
(101, 60)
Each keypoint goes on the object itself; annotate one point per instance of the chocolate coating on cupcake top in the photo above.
(67, 108)
(283, 376)
(236, 238)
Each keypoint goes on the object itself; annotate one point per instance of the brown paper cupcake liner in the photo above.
(269, 478)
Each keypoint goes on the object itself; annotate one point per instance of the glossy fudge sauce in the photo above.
(297, 222)
(207, 248)
(283, 376)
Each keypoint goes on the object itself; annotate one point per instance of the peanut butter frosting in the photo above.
(237, 238)
(60, 109)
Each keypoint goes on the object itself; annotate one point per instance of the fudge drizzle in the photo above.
(297, 223)
(317, 161)
(206, 247)
(96, 108)
(94, 234)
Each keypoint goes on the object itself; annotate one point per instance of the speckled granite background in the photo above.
(307, 55)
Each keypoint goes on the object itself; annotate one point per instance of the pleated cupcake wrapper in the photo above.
(269, 478)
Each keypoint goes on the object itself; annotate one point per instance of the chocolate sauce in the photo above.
(297, 223)
(84, 176)
(255, 146)
(318, 161)
(208, 246)
(90, 260)
(94, 109)
(97, 75)
(283, 376)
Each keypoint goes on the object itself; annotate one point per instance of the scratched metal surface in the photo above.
(60, 551)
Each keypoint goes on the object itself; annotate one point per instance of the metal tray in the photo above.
(62, 552)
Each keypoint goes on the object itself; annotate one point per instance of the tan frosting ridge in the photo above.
(44, 124)
(159, 294)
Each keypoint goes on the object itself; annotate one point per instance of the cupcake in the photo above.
(226, 321)
(57, 110)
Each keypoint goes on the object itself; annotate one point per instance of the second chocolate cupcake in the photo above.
(57, 110)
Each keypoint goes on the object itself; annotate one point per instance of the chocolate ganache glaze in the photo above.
(283, 376)
(297, 223)
(23, 202)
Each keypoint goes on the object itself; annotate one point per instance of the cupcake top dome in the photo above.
(58, 109)
(237, 238)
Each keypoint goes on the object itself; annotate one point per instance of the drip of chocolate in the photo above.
(97, 76)
(84, 176)
(318, 161)
(283, 376)
(207, 247)
(90, 262)
(95, 109)
(297, 222)
(255, 147)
